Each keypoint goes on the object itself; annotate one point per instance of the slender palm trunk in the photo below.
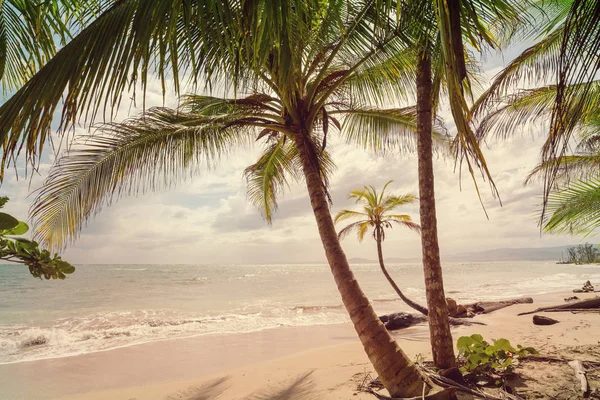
(397, 373)
(408, 301)
(441, 338)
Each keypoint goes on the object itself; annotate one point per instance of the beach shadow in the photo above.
(207, 391)
(300, 388)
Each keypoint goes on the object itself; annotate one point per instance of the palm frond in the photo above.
(392, 202)
(575, 210)
(29, 32)
(578, 65)
(388, 129)
(539, 63)
(139, 155)
(363, 228)
(347, 214)
(344, 232)
(579, 166)
(127, 42)
(533, 106)
(267, 178)
(405, 221)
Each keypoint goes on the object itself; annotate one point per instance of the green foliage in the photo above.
(478, 356)
(41, 263)
(582, 254)
(378, 213)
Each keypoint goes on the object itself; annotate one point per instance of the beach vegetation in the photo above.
(16, 249)
(582, 254)
(477, 356)
(379, 212)
(562, 66)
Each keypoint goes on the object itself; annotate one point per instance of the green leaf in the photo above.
(8, 221)
(20, 229)
(477, 338)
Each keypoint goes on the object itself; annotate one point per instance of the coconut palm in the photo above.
(443, 66)
(292, 73)
(378, 214)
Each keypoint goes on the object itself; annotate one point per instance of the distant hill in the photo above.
(522, 254)
(505, 254)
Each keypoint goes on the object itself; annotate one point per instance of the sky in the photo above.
(207, 219)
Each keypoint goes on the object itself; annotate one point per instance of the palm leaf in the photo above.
(267, 178)
(139, 155)
(574, 210)
(381, 130)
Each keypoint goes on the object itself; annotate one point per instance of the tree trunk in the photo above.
(397, 373)
(408, 301)
(441, 338)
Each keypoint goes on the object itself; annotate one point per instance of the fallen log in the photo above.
(573, 310)
(463, 321)
(486, 307)
(580, 374)
(583, 304)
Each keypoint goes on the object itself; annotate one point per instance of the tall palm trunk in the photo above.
(408, 301)
(397, 373)
(441, 338)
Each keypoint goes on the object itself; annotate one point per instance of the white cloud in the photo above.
(206, 219)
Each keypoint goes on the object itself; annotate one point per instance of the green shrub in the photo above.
(41, 263)
(476, 355)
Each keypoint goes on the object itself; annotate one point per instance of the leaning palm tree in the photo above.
(291, 74)
(378, 214)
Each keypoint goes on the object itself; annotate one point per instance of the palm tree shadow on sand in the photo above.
(300, 388)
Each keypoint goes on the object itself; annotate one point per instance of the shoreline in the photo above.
(155, 370)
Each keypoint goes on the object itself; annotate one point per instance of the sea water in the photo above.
(101, 307)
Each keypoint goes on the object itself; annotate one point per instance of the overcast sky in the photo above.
(208, 219)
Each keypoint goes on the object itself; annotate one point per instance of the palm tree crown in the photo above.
(378, 213)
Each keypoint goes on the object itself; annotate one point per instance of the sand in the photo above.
(319, 362)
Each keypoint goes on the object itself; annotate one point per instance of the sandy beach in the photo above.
(319, 362)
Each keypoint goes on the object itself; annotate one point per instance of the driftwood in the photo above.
(577, 305)
(573, 310)
(539, 320)
(580, 374)
(462, 321)
(486, 307)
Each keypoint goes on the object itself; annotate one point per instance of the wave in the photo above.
(316, 308)
(106, 331)
(127, 269)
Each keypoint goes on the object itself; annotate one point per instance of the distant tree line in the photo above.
(582, 254)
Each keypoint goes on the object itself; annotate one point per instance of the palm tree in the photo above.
(378, 214)
(443, 66)
(292, 73)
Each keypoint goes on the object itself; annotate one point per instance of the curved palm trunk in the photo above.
(439, 329)
(408, 301)
(397, 373)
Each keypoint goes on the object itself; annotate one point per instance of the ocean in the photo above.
(102, 307)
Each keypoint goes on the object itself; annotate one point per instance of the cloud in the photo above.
(206, 218)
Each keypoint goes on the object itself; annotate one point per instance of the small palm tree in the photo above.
(379, 215)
